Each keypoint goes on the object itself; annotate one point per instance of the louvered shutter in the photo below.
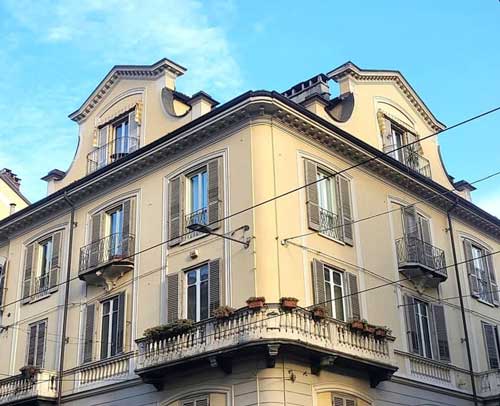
(133, 132)
(3, 273)
(174, 211)
(411, 325)
(202, 402)
(312, 198)
(343, 188)
(410, 221)
(215, 196)
(189, 403)
(120, 333)
(28, 270)
(214, 282)
(491, 341)
(88, 342)
(342, 401)
(318, 279)
(387, 136)
(493, 279)
(40, 345)
(32, 344)
(442, 350)
(172, 297)
(103, 152)
(425, 236)
(471, 270)
(92, 256)
(128, 229)
(55, 264)
(352, 286)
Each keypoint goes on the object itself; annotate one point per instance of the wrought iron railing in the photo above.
(110, 152)
(116, 246)
(196, 217)
(412, 250)
(408, 156)
(330, 224)
(43, 283)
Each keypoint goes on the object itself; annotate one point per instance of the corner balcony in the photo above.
(417, 259)
(105, 260)
(39, 389)
(410, 158)
(326, 343)
(111, 152)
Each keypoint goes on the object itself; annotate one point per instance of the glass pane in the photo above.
(204, 300)
(105, 307)
(191, 277)
(105, 335)
(195, 184)
(329, 305)
(191, 310)
(115, 305)
(337, 279)
(204, 273)
(327, 275)
(339, 303)
(204, 191)
(114, 330)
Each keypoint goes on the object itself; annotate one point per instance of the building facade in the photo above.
(11, 198)
(164, 266)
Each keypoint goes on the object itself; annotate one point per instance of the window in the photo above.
(490, 334)
(197, 201)
(339, 399)
(327, 192)
(36, 344)
(423, 328)
(197, 293)
(121, 138)
(44, 263)
(397, 138)
(115, 225)
(3, 262)
(202, 401)
(112, 326)
(334, 288)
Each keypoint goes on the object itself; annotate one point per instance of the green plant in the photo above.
(173, 329)
(256, 302)
(319, 312)
(223, 312)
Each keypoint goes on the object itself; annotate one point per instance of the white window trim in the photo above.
(420, 332)
(37, 324)
(333, 270)
(111, 319)
(198, 291)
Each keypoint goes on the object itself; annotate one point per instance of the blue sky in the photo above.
(54, 53)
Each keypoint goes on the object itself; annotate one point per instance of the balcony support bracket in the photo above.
(225, 363)
(378, 376)
(272, 354)
(317, 364)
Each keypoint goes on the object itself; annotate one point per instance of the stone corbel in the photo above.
(272, 354)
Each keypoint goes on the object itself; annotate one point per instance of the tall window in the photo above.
(423, 328)
(479, 264)
(36, 344)
(115, 217)
(45, 263)
(198, 194)
(3, 261)
(327, 193)
(334, 289)
(197, 293)
(202, 401)
(490, 334)
(121, 138)
(397, 140)
(112, 326)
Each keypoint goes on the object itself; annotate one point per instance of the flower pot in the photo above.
(318, 313)
(369, 329)
(357, 325)
(256, 303)
(288, 303)
(380, 333)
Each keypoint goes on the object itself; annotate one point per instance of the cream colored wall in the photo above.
(8, 196)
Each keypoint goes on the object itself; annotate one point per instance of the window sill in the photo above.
(331, 238)
(186, 241)
(486, 303)
(40, 297)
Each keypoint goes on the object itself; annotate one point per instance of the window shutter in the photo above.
(172, 297)
(471, 271)
(56, 260)
(312, 198)
(352, 286)
(32, 345)
(410, 221)
(28, 270)
(411, 325)
(493, 280)
(491, 342)
(133, 132)
(88, 342)
(40, 347)
(202, 402)
(386, 136)
(318, 279)
(341, 401)
(95, 235)
(103, 153)
(120, 334)
(215, 285)
(128, 228)
(3, 272)
(345, 208)
(215, 196)
(426, 229)
(441, 335)
(174, 211)
(105, 334)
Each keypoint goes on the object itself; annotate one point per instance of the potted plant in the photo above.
(288, 303)
(223, 312)
(382, 332)
(319, 312)
(256, 302)
(173, 329)
(357, 325)
(369, 329)
(29, 371)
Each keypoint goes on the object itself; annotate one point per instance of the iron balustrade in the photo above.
(196, 217)
(414, 251)
(330, 224)
(111, 152)
(43, 283)
(113, 247)
(408, 156)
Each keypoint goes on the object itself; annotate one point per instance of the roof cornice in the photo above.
(124, 72)
(352, 70)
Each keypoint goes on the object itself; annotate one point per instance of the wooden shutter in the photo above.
(202, 402)
(312, 198)
(28, 270)
(471, 270)
(103, 153)
(353, 298)
(215, 195)
(32, 344)
(442, 350)
(55, 267)
(411, 325)
(410, 221)
(128, 228)
(88, 342)
(172, 297)
(387, 136)
(92, 257)
(215, 285)
(493, 280)
(3, 272)
(338, 400)
(120, 333)
(491, 341)
(174, 211)
(425, 230)
(40, 345)
(343, 191)
(318, 279)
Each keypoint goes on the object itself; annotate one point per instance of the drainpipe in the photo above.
(66, 300)
(462, 309)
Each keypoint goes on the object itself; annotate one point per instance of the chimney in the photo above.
(10, 177)
(201, 103)
(316, 86)
(12, 208)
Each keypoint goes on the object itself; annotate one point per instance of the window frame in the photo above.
(198, 172)
(420, 328)
(44, 264)
(330, 287)
(36, 324)
(497, 346)
(198, 287)
(121, 123)
(112, 299)
(194, 401)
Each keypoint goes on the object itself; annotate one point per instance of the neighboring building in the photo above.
(11, 198)
(159, 176)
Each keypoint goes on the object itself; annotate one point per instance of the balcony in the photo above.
(417, 258)
(111, 152)
(21, 390)
(197, 218)
(325, 343)
(105, 260)
(330, 224)
(45, 284)
(410, 158)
